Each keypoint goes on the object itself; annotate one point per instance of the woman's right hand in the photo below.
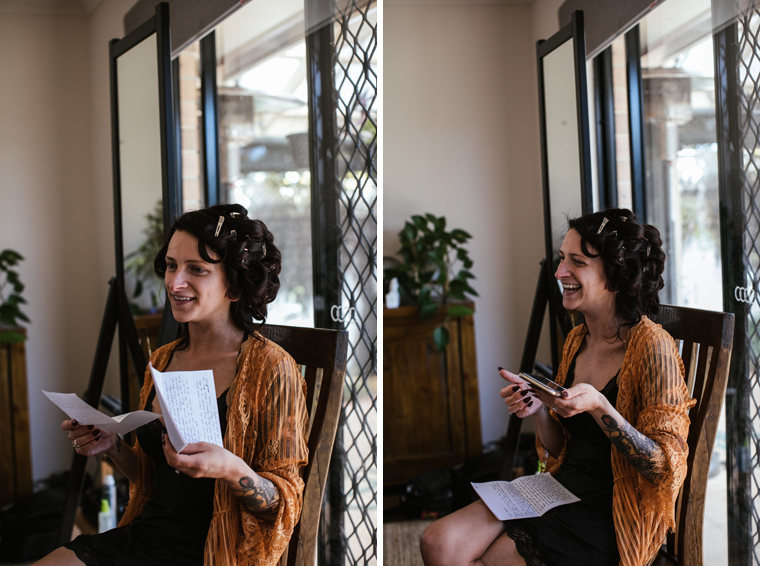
(518, 395)
(88, 440)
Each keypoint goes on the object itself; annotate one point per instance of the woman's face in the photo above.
(197, 289)
(584, 284)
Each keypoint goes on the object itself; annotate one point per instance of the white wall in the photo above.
(55, 198)
(460, 139)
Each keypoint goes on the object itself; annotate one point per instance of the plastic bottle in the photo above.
(105, 519)
(392, 299)
(109, 493)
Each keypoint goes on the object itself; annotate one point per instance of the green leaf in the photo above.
(441, 338)
(460, 235)
(138, 289)
(460, 310)
(409, 232)
(22, 316)
(464, 274)
(420, 222)
(427, 310)
(457, 294)
(11, 337)
(440, 223)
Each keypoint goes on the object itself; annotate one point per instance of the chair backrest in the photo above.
(322, 356)
(705, 339)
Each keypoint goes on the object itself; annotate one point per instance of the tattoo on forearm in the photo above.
(643, 453)
(259, 496)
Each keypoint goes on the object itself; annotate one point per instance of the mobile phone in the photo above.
(543, 384)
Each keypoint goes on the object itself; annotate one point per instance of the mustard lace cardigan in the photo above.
(267, 423)
(652, 397)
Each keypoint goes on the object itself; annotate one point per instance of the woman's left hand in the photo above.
(200, 459)
(580, 398)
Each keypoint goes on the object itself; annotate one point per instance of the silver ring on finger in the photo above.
(75, 445)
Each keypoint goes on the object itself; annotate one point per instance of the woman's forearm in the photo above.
(256, 494)
(643, 453)
(549, 432)
(124, 458)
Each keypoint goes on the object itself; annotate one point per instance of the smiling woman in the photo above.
(615, 438)
(230, 505)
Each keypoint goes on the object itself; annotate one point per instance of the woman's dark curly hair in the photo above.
(245, 247)
(633, 259)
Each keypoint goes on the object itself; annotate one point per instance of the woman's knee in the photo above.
(433, 544)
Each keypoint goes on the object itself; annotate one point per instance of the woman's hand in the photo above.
(518, 396)
(90, 441)
(200, 459)
(580, 398)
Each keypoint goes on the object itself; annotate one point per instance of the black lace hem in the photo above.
(526, 544)
(86, 554)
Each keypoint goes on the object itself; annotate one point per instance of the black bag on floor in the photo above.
(29, 526)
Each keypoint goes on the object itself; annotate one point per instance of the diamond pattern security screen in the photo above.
(749, 121)
(355, 67)
(737, 82)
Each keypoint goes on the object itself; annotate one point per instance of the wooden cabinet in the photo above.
(431, 413)
(15, 456)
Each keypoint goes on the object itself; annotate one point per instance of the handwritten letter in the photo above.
(80, 411)
(528, 496)
(188, 400)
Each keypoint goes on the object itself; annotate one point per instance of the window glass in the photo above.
(681, 149)
(682, 188)
(263, 138)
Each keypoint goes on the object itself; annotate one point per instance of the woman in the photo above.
(617, 436)
(210, 505)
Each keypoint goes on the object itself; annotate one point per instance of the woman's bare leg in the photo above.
(465, 537)
(60, 557)
(502, 551)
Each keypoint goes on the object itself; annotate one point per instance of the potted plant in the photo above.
(433, 270)
(11, 288)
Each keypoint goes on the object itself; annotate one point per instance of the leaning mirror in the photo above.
(145, 190)
(565, 147)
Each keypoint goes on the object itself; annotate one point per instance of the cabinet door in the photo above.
(425, 422)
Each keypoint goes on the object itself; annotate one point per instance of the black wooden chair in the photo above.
(705, 339)
(321, 354)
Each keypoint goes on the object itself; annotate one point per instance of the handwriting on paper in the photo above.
(188, 401)
(84, 414)
(527, 496)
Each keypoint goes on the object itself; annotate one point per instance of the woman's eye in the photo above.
(171, 266)
(198, 270)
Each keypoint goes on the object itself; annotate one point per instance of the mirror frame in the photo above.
(572, 32)
(158, 25)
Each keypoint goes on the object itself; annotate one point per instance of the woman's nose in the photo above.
(561, 270)
(175, 281)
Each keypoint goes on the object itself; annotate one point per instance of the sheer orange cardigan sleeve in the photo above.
(652, 397)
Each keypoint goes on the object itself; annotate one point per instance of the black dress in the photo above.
(583, 532)
(173, 526)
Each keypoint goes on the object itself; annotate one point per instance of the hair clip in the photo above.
(649, 249)
(263, 249)
(234, 214)
(602, 225)
(219, 226)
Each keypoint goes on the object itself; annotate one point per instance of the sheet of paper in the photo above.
(188, 402)
(80, 411)
(528, 496)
